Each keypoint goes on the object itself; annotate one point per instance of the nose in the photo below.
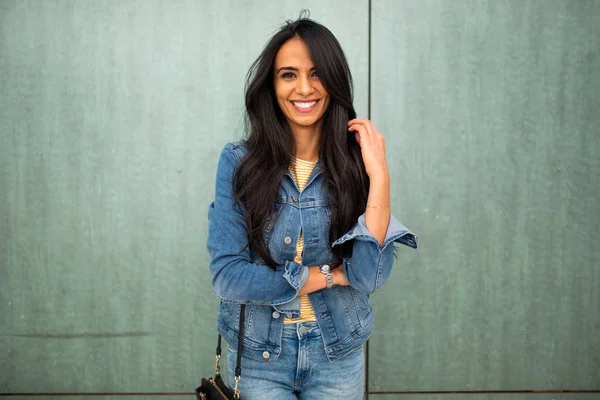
(304, 86)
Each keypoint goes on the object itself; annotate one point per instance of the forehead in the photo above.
(293, 53)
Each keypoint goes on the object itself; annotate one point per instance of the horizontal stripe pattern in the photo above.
(301, 171)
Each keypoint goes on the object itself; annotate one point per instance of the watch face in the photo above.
(325, 268)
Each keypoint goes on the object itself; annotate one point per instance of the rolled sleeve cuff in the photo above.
(396, 232)
(296, 275)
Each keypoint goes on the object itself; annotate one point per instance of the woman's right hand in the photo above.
(316, 280)
(339, 276)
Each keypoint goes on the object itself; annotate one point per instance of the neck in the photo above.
(307, 142)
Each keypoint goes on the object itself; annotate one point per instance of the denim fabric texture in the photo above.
(303, 370)
(343, 313)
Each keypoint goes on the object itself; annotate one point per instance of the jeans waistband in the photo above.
(301, 329)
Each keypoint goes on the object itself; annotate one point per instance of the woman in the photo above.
(300, 230)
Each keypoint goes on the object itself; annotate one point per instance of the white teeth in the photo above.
(304, 104)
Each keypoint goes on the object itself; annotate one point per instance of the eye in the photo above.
(315, 74)
(288, 75)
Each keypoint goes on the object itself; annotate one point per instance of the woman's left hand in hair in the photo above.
(372, 146)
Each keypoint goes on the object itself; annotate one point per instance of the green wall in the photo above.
(112, 116)
(491, 109)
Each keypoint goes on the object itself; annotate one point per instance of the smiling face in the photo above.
(299, 91)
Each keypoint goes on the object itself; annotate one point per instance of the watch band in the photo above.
(326, 270)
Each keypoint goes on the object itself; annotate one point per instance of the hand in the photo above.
(339, 276)
(372, 146)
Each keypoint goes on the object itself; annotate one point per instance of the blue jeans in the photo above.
(302, 370)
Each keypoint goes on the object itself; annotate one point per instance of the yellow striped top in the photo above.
(301, 171)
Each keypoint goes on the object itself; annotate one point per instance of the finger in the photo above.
(360, 131)
(358, 128)
(364, 121)
(366, 138)
(360, 121)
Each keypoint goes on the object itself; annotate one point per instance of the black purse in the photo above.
(215, 388)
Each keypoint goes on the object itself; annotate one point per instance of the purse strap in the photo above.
(238, 364)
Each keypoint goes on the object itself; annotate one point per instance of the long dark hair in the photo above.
(271, 144)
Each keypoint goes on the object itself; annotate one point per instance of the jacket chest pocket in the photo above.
(275, 234)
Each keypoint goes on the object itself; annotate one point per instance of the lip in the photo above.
(302, 109)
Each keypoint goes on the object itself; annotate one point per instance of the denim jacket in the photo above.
(343, 313)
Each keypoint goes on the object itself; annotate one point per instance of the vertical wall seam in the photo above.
(369, 61)
(369, 117)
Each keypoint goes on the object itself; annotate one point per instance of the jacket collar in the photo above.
(316, 172)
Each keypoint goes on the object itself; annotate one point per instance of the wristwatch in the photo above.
(326, 270)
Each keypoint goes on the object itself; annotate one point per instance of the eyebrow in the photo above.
(292, 69)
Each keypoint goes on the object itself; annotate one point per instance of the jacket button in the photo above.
(294, 199)
(276, 314)
(289, 316)
(303, 329)
(287, 240)
(266, 355)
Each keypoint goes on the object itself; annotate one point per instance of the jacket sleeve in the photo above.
(371, 264)
(235, 277)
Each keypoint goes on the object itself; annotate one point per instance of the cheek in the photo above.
(325, 97)
(277, 90)
(283, 105)
(326, 104)
(280, 99)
